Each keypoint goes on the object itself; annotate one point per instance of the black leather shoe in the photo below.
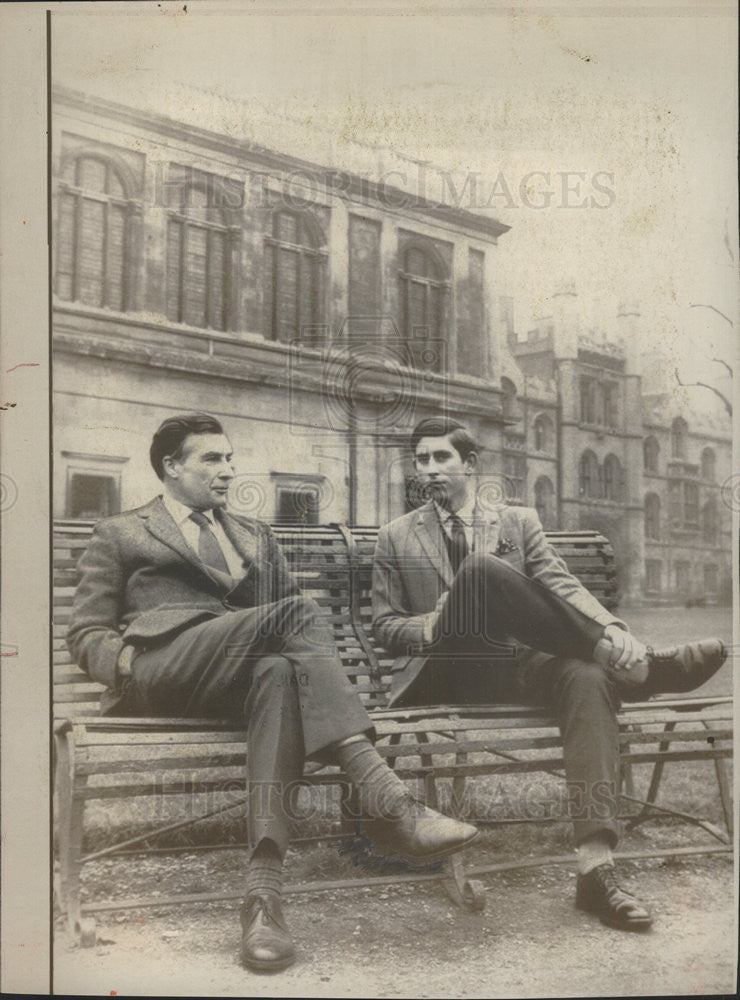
(420, 832)
(684, 668)
(266, 942)
(599, 893)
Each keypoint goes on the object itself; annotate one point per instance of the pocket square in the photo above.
(505, 545)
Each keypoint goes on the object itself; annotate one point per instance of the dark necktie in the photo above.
(457, 542)
(208, 548)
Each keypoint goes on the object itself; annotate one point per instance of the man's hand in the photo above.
(628, 656)
(123, 664)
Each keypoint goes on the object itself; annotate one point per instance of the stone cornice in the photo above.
(386, 195)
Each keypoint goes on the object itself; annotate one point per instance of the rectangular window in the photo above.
(691, 504)
(297, 505)
(92, 496)
(683, 577)
(653, 575)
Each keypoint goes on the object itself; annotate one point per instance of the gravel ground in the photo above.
(411, 942)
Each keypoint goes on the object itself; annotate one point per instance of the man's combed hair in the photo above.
(171, 433)
(460, 437)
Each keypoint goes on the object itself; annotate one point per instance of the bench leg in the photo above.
(655, 779)
(469, 893)
(71, 815)
(725, 795)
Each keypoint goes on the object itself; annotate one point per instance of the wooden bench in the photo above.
(108, 758)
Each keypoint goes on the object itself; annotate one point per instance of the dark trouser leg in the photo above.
(489, 600)
(275, 751)
(585, 702)
(207, 670)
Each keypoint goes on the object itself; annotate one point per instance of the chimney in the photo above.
(628, 316)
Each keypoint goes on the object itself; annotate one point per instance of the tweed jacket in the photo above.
(412, 573)
(142, 584)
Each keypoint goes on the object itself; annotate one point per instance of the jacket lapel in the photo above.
(160, 524)
(241, 537)
(429, 534)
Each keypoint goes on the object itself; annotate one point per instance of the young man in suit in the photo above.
(184, 609)
(478, 607)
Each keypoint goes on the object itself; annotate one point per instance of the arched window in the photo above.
(650, 454)
(544, 502)
(202, 249)
(652, 516)
(589, 485)
(708, 465)
(295, 277)
(422, 293)
(92, 232)
(679, 432)
(508, 398)
(543, 433)
(612, 478)
(709, 522)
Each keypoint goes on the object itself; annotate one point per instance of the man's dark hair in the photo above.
(460, 437)
(171, 433)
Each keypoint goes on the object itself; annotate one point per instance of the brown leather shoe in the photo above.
(266, 941)
(684, 668)
(420, 832)
(598, 892)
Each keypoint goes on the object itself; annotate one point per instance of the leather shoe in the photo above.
(266, 942)
(598, 892)
(684, 668)
(420, 832)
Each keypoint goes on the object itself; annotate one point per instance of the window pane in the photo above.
(216, 280)
(286, 227)
(91, 252)
(65, 246)
(194, 284)
(269, 303)
(114, 257)
(287, 294)
(174, 257)
(92, 496)
(91, 174)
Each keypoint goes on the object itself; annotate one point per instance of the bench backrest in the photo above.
(332, 564)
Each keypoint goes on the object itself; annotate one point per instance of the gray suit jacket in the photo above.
(142, 584)
(412, 573)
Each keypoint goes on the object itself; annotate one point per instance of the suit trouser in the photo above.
(491, 602)
(274, 667)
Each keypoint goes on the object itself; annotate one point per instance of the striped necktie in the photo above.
(209, 550)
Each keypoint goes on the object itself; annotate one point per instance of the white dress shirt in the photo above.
(191, 533)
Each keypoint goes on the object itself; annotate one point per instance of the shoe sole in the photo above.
(636, 925)
(268, 966)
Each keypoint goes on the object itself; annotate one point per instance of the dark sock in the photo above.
(265, 871)
(382, 794)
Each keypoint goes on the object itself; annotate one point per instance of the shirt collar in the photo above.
(181, 512)
(465, 513)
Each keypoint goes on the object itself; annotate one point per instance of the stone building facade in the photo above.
(321, 314)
